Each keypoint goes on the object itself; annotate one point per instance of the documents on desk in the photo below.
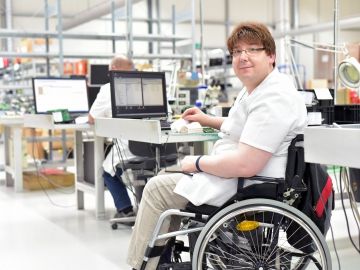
(81, 119)
(184, 126)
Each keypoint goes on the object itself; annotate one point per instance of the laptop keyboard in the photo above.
(165, 125)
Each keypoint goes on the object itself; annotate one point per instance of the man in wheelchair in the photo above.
(254, 141)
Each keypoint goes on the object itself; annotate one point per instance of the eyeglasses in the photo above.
(249, 51)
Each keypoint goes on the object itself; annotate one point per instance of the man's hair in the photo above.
(252, 33)
(121, 63)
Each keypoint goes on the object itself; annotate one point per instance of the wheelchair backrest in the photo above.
(295, 166)
(308, 187)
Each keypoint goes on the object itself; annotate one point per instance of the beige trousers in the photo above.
(157, 197)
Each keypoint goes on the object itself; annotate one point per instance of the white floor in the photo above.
(41, 232)
(36, 234)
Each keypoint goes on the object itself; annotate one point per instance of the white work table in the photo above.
(137, 130)
(333, 145)
(13, 155)
(47, 122)
(145, 131)
(130, 129)
(13, 146)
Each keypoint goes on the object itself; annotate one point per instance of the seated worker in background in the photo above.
(254, 139)
(112, 175)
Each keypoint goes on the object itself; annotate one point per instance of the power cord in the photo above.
(335, 249)
(39, 174)
(125, 174)
(352, 201)
(346, 217)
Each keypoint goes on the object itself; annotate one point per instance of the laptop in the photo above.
(54, 93)
(139, 95)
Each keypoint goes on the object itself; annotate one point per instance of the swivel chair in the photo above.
(144, 166)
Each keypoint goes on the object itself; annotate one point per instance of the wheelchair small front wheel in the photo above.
(260, 234)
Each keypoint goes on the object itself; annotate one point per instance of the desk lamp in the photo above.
(348, 69)
(349, 72)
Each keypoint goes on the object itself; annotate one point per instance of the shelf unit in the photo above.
(20, 77)
(128, 36)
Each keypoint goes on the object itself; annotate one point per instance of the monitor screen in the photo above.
(92, 91)
(136, 94)
(99, 74)
(60, 93)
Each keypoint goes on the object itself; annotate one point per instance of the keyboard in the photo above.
(165, 125)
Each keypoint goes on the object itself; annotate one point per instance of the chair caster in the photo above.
(114, 226)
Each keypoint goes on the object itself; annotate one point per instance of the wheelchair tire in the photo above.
(252, 234)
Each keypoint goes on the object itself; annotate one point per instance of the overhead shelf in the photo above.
(14, 87)
(94, 36)
(92, 56)
(58, 54)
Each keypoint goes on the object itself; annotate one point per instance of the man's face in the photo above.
(253, 65)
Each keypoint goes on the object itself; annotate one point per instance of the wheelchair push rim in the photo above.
(255, 234)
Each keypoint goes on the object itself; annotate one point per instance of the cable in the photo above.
(346, 218)
(335, 249)
(38, 174)
(126, 183)
(352, 201)
(336, 181)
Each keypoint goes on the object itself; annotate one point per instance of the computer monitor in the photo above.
(52, 93)
(136, 94)
(92, 91)
(98, 74)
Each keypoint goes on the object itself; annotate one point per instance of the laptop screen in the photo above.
(52, 93)
(136, 94)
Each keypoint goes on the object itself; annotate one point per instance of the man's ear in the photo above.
(272, 58)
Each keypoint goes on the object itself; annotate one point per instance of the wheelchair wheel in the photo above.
(256, 234)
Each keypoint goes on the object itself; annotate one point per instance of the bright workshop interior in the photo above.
(57, 210)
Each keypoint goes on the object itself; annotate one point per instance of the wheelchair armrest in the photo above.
(252, 187)
(260, 187)
(168, 160)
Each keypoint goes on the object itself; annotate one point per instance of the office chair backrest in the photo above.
(143, 149)
(168, 152)
(140, 149)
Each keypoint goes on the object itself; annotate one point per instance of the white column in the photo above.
(99, 181)
(282, 24)
(18, 158)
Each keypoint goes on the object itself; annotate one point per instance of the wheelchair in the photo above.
(258, 228)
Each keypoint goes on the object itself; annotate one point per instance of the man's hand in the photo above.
(195, 115)
(188, 164)
(91, 119)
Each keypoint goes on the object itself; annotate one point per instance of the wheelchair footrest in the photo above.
(175, 266)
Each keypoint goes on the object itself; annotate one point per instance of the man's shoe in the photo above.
(123, 215)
